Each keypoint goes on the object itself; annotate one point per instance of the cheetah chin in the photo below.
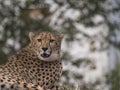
(45, 55)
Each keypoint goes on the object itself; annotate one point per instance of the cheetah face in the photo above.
(46, 45)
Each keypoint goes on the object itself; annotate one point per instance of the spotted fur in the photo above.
(36, 67)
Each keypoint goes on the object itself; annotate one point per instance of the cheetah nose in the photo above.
(44, 48)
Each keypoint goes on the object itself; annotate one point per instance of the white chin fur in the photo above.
(52, 57)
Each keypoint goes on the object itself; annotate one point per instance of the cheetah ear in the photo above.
(31, 35)
(61, 36)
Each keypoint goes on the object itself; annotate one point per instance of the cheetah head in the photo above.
(46, 45)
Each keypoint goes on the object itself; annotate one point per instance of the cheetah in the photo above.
(37, 66)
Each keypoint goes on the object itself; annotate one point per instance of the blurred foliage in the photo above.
(113, 23)
(16, 20)
(15, 23)
(112, 16)
(114, 75)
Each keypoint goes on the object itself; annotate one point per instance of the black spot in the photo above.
(50, 64)
(43, 83)
(41, 64)
(47, 78)
(39, 79)
(53, 72)
(39, 74)
(46, 66)
(53, 67)
(33, 70)
(38, 69)
(11, 86)
(27, 59)
(1, 80)
(38, 61)
(31, 62)
(38, 65)
(25, 85)
(47, 73)
(34, 66)
(3, 85)
(8, 80)
(24, 62)
(28, 63)
(50, 75)
(4, 78)
(42, 69)
(46, 83)
(43, 73)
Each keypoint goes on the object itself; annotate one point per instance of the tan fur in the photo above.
(35, 67)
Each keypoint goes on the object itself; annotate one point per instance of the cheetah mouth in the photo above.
(45, 55)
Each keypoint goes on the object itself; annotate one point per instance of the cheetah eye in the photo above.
(39, 40)
(52, 40)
